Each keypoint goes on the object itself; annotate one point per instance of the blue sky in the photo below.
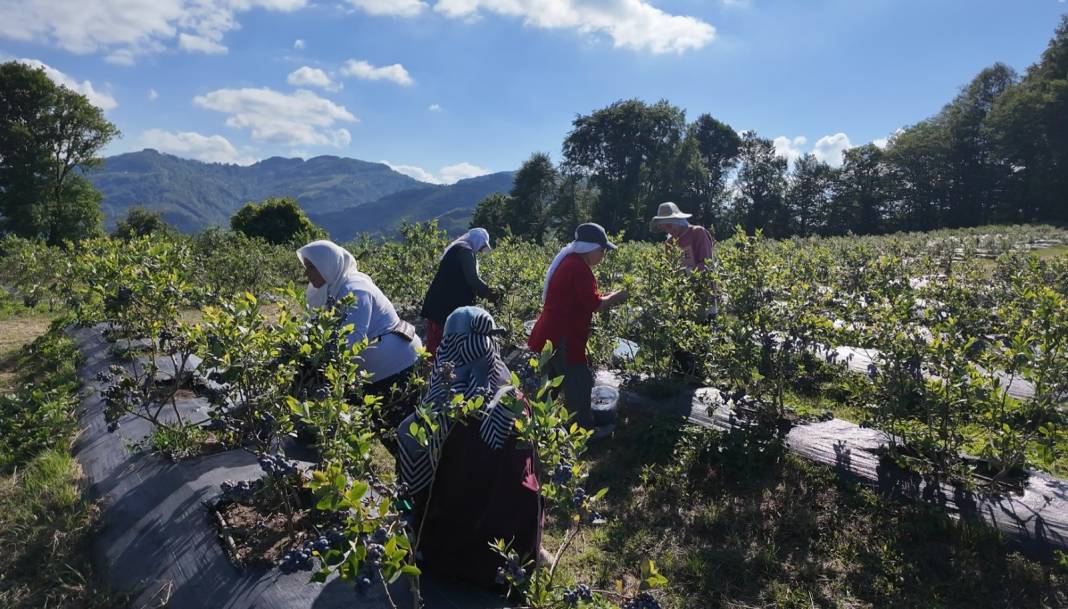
(446, 89)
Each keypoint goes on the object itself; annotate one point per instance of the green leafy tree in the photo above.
(572, 206)
(691, 187)
(139, 222)
(491, 214)
(532, 196)
(718, 144)
(1029, 135)
(760, 186)
(276, 220)
(49, 135)
(808, 194)
(627, 151)
(918, 160)
(862, 195)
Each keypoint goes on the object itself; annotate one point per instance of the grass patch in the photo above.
(44, 527)
(44, 522)
(732, 528)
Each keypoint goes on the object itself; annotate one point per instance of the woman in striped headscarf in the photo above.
(474, 483)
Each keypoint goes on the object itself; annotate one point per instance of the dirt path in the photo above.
(14, 334)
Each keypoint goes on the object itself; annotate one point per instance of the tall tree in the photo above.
(918, 160)
(1029, 135)
(760, 186)
(863, 193)
(49, 135)
(627, 152)
(532, 195)
(572, 206)
(808, 194)
(718, 144)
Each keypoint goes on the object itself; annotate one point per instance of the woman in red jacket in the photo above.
(571, 297)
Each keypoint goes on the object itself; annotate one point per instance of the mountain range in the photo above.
(345, 196)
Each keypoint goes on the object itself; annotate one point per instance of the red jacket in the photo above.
(570, 302)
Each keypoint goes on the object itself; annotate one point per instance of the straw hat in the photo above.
(669, 211)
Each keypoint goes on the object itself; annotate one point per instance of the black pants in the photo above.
(399, 399)
(577, 387)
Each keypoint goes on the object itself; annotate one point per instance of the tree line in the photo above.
(996, 153)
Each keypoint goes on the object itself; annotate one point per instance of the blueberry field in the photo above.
(953, 345)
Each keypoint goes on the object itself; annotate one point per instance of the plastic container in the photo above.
(604, 401)
(625, 350)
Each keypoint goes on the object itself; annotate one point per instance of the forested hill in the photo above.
(193, 195)
(452, 206)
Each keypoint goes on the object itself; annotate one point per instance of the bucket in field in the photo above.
(605, 403)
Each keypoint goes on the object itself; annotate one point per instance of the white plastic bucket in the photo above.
(604, 401)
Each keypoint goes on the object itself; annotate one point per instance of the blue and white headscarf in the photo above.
(470, 350)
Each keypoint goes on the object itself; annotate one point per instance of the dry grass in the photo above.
(15, 333)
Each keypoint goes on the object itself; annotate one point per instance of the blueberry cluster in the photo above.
(562, 474)
(642, 601)
(380, 535)
(239, 491)
(581, 592)
(511, 573)
(579, 499)
(297, 559)
(165, 336)
(375, 553)
(364, 578)
(276, 466)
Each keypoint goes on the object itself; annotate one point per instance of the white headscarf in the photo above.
(575, 247)
(334, 263)
(474, 240)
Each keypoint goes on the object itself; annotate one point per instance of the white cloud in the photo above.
(298, 44)
(447, 175)
(434, 108)
(312, 77)
(189, 144)
(790, 149)
(414, 172)
(633, 24)
(298, 119)
(201, 44)
(152, 95)
(124, 29)
(396, 8)
(364, 70)
(881, 142)
(100, 99)
(121, 57)
(830, 148)
(461, 171)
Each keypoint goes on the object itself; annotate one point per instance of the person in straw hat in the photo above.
(694, 241)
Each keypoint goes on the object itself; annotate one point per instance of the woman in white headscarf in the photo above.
(392, 352)
(456, 283)
(571, 298)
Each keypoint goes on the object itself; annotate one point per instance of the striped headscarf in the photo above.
(469, 352)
